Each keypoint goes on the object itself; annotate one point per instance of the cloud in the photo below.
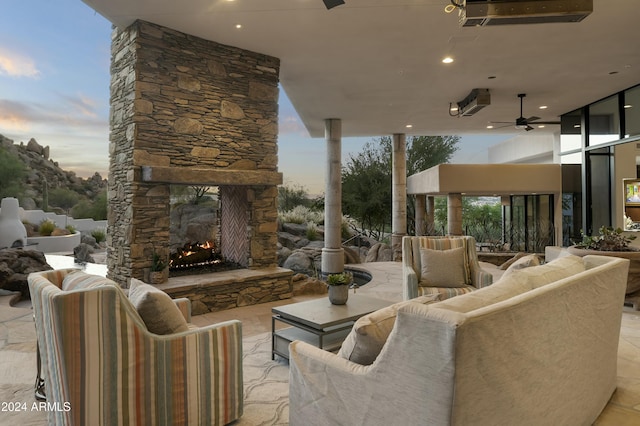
(15, 64)
(77, 112)
(289, 124)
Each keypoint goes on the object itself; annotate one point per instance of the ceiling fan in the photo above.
(523, 123)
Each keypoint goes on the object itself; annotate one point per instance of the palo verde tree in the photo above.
(366, 178)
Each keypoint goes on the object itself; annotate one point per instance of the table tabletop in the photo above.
(321, 314)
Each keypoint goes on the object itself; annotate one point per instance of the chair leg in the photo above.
(39, 386)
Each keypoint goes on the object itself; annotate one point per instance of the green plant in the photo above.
(608, 239)
(343, 278)
(71, 229)
(46, 227)
(157, 264)
(312, 231)
(99, 235)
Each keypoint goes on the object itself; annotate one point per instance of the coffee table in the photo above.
(318, 322)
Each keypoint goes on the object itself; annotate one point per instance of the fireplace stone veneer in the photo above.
(190, 111)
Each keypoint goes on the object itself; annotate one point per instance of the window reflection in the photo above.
(604, 121)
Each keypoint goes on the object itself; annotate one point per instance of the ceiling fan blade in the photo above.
(533, 118)
(502, 127)
(501, 122)
(528, 128)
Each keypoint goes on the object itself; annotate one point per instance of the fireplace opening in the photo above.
(208, 229)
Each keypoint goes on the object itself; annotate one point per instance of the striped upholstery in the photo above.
(102, 363)
(411, 266)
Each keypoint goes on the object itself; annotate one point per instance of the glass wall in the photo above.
(604, 121)
(632, 112)
(529, 223)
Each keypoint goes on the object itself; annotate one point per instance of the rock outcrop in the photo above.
(15, 267)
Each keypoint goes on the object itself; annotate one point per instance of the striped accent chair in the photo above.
(102, 366)
(413, 281)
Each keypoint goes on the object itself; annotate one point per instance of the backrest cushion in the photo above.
(555, 270)
(157, 310)
(370, 332)
(443, 268)
(79, 280)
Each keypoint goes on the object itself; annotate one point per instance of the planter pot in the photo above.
(158, 277)
(633, 279)
(338, 294)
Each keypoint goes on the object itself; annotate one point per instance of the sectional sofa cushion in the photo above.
(443, 268)
(79, 280)
(370, 332)
(555, 270)
(157, 310)
(523, 262)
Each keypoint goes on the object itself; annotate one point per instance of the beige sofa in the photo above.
(537, 347)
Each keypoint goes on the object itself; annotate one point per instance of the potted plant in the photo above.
(338, 285)
(159, 271)
(614, 242)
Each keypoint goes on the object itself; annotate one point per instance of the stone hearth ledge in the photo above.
(229, 289)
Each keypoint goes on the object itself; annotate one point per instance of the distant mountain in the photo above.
(42, 169)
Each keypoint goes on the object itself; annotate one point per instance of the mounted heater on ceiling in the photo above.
(474, 102)
(474, 13)
(330, 4)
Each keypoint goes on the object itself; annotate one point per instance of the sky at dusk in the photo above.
(54, 87)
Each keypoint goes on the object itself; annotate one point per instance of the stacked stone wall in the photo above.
(181, 102)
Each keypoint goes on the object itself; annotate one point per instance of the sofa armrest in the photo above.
(409, 283)
(184, 305)
(481, 278)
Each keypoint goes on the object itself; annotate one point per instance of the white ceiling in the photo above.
(376, 64)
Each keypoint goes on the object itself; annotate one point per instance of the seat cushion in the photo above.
(157, 310)
(443, 268)
(79, 280)
(370, 332)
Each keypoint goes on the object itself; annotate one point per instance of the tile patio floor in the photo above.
(17, 343)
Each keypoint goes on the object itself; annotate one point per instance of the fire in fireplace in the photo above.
(194, 258)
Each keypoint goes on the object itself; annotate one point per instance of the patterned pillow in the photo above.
(443, 268)
(157, 310)
(79, 280)
(370, 332)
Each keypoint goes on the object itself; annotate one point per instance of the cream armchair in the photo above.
(415, 284)
(103, 367)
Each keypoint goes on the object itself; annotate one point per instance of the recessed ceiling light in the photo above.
(540, 126)
(453, 109)
(447, 60)
(542, 107)
(576, 126)
(489, 126)
(408, 126)
(627, 106)
(238, 26)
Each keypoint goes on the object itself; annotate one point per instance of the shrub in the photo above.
(99, 235)
(301, 214)
(46, 227)
(312, 231)
(71, 229)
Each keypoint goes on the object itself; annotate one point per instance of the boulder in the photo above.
(15, 267)
(299, 262)
(82, 253)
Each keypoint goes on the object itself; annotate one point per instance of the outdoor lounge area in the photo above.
(266, 387)
(436, 337)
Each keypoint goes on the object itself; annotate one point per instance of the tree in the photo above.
(12, 174)
(290, 196)
(63, 198)
(367, 176)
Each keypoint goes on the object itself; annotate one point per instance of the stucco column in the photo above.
(399, 194)
(421, 214)
(431, 214)
(332, 253)
(454, 214)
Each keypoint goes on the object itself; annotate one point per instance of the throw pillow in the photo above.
(523, 262)
(79, 280)
(370, 332)
(511, 261)
(157, 310)
(553, 271)
(443, 268)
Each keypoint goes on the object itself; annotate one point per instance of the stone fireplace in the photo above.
(187, 111)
